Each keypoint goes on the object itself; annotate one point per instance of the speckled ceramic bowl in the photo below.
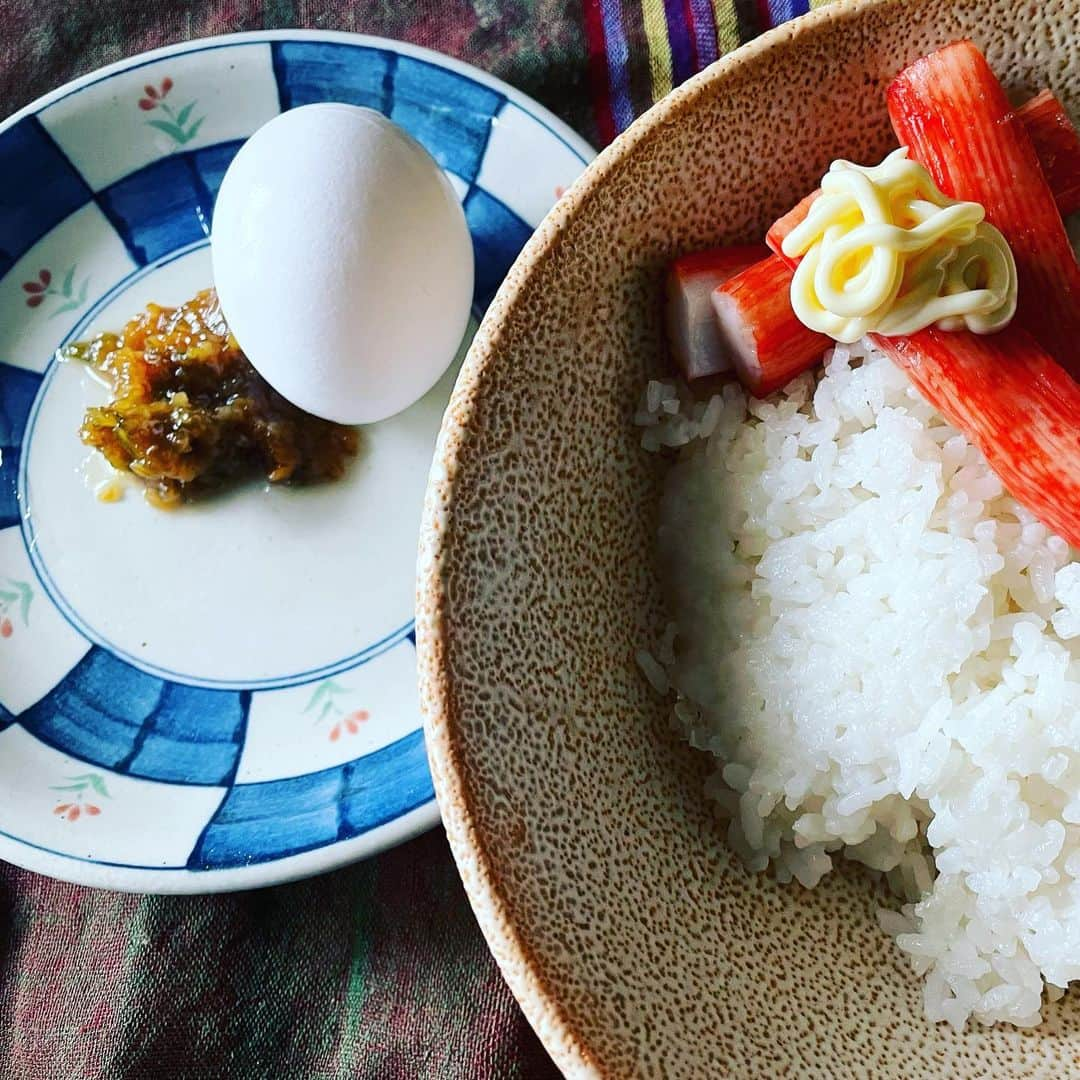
(634, 941)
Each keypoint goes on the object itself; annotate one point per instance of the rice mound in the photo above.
(882, 649)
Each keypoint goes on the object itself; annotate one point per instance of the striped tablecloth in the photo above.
(378, 970)
(638, 52)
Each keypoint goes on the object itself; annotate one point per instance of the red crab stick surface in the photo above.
(1014, 402)
(1057, 146)
(693, 335)
(780, 228)
(768, 344)
(952, 113)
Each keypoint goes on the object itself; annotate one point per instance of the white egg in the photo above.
(343, 262)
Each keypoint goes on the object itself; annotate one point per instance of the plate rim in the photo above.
(558, 127)
(182, 881)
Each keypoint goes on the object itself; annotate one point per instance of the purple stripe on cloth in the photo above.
(618, 56)
(701, 14)
(782, 10)
(682, 46)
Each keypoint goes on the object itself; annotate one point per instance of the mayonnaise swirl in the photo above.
(884, 251)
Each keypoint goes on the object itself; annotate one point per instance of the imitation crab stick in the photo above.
(693, 334)
(950, 110)
(780, 228)
(701, 347)
(1057, 145)
(768, 344)
(1014, 402)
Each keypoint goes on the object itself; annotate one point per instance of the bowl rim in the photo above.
(532, 991)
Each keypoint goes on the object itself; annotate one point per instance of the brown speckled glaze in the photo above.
(635, 943)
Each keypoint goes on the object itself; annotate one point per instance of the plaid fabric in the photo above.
(375, 971)
(378, 970)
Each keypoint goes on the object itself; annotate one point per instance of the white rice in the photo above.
(882, 650)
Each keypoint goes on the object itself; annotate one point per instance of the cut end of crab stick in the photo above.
(693, 338)
(768, 345)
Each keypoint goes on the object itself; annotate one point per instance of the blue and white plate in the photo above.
(223, 696)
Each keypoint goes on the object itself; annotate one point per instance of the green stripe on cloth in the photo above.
(727, 26)
(358, 987)
(659, 47)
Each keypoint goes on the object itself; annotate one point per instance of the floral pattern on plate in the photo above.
(177, 124)
(326, 704)
(77, 804)
(41, 288)
(15, 600)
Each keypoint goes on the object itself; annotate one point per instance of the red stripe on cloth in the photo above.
(764, 16)
(598, 70)
(688, 18)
